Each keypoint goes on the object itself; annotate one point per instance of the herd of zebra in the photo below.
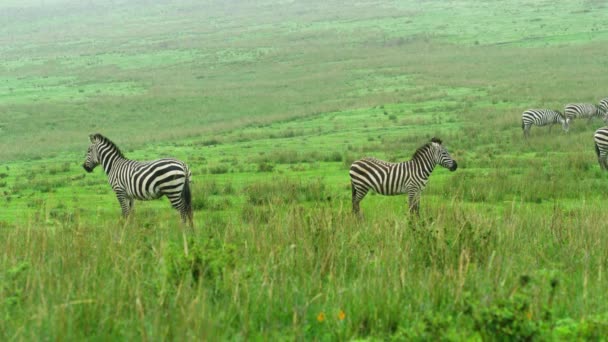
(134, 180)
(544, 117)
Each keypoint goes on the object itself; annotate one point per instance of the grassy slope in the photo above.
(292, 99)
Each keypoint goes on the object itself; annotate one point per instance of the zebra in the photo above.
(582, 110)
(149, 180)
(542, 117)
(409, 177)
(601, 146)
(604, 108)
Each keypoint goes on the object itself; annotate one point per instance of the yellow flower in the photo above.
(341, 315)
(321, 317)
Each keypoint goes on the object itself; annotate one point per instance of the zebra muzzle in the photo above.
(88, 169)
(454, 167)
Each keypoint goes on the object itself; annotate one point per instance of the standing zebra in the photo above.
(133, 180)
(601, 146)
(542, 117)
(582, 110)
(408, 177)
(604, 108)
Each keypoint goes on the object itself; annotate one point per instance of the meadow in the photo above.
(269, 103)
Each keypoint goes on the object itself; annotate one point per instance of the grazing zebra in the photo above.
(601, 146)
(133, 180)
(582, 110)
(604, 108)
(542, 117)
(408, 177)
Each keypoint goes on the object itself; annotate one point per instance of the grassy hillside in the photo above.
(269, 103)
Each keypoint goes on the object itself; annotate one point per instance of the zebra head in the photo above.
(564, 120)
(442, 155)
(92, 159)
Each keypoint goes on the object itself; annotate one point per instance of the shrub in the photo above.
(200, 201)
(209, 259)
(265, 167)
(333, 157)
(218, 169)
(209, 142)
(13, 284)
(514, 318)
(284, 191)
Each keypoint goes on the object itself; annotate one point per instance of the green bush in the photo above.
(207, 260)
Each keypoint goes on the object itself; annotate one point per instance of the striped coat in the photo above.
(542, 117)
(604, 108)
(409, 177)
(600, 139)
(134, 180)
(582, 111)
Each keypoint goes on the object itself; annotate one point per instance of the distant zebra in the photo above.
(542, 117)
(582, 110)
(408, 177)
(604, 108)
(601, 146)
(149, 180)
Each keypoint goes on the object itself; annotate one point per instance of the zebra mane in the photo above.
(422, 149)
(106, 141)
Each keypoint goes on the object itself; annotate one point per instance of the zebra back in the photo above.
(389, 178)
(581, 110)
(604, 106)
(542, 117)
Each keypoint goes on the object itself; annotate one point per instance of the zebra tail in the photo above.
(522, 124)
(597, 150)
(187, 196)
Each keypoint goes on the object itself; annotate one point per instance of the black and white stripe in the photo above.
(542, 117)
(582, 110)
(408, 177)
(601, 146)
(133, 180)
(604, 108)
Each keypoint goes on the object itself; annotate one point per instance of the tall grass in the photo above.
(272, 276)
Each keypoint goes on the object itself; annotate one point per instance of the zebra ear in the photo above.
(436, 140)
(94, 137)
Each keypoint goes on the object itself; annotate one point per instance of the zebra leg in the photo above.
(602, 160)
(182, 206)
(126, 203)
(358, 195)
(414, 200)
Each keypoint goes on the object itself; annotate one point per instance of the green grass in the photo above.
(269, 103)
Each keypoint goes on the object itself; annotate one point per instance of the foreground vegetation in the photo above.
(269, 111)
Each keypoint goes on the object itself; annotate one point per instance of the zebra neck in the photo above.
(423, 166)
(109, 160)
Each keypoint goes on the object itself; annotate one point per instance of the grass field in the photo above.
(269, 102)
